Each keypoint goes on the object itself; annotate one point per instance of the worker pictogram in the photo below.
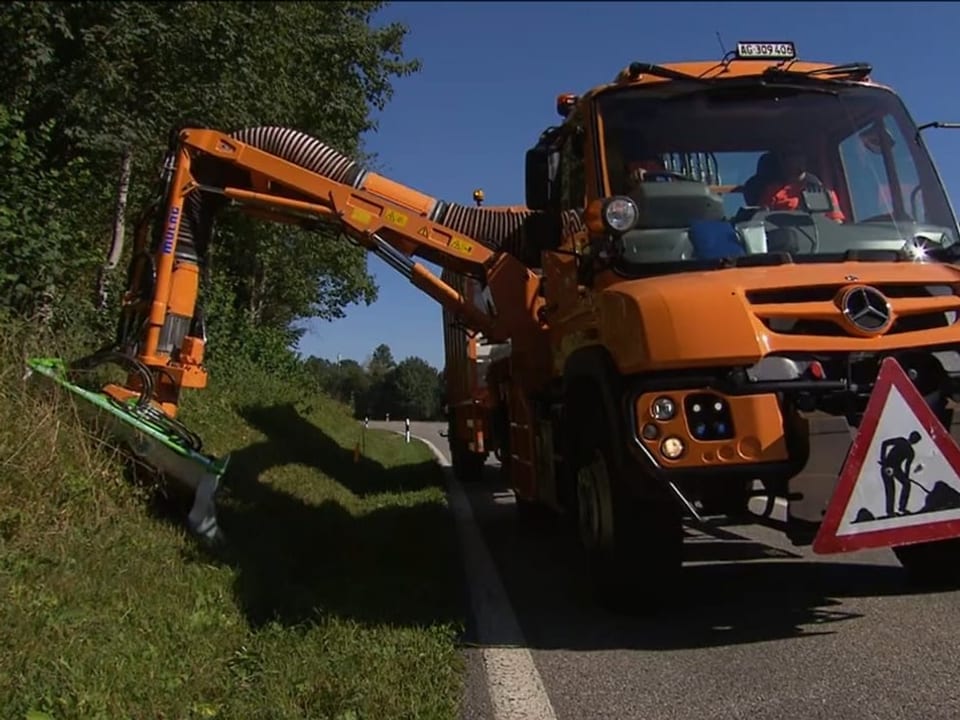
(900, 483)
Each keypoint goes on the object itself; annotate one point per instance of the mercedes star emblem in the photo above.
(866, 309)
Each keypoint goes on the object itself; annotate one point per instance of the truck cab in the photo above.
(729, 249)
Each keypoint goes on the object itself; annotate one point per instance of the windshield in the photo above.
(729, 170)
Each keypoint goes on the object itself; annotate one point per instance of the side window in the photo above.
(572, 181)
(873, 191)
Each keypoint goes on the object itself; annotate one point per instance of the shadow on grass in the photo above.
(296, 561)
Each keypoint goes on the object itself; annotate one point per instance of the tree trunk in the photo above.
(119, 224)
(258, 290)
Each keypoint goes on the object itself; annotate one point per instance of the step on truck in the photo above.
(674, 308)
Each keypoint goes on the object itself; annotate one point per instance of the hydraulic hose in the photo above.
(506, 228)
(497, 228)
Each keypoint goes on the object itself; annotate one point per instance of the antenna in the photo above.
(723, 49)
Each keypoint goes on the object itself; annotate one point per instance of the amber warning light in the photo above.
(766, 51)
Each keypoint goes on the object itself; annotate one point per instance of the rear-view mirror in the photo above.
(537, 178)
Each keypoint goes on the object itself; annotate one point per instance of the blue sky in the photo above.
(492, 71)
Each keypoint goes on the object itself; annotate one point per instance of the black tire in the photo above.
(633, 541)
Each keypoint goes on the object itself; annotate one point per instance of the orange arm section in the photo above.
(391, 220)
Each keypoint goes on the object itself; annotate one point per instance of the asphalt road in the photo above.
(767, 630)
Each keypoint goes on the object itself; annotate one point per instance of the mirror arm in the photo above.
(937, 124)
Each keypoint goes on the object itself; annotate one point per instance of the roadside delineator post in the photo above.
(406, 432)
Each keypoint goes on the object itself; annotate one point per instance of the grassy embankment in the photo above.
(335, 598)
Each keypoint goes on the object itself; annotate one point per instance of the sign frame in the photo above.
(891, 378)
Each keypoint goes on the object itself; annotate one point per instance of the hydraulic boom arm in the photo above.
(286, 176)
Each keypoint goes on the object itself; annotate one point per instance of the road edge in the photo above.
(513, 681)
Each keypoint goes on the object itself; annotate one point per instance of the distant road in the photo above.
(769, 631)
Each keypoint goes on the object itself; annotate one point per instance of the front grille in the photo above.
(813, 311)
(821, 293)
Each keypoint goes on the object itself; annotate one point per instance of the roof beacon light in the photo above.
(766, 51)
(565, 104)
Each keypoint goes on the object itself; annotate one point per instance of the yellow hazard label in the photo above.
(395, 218)
(461, 245)
(423, 232)
(361, 215)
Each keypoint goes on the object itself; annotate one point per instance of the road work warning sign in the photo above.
(900, 483)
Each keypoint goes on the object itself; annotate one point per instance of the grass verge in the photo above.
(336, 596)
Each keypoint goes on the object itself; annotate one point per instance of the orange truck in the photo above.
(672, 320)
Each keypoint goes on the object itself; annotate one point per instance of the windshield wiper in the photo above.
(858, 70)
(746, 86)
(639, 68)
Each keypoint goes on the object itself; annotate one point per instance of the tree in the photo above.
(414, 388)
(381, 362)
(103, 83)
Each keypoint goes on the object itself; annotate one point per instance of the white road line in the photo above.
(516, 689)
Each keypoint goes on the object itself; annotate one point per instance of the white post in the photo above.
(407, 429)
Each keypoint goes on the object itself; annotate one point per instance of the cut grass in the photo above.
(337, 595)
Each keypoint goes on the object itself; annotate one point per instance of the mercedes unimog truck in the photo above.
(713, 260)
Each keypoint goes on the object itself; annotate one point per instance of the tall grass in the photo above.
(335, 597)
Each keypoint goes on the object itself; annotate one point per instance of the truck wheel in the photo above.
(931, 563)
(634, 546)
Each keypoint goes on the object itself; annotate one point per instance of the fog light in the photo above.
(672, 448)
(650, 431)
(663, 408)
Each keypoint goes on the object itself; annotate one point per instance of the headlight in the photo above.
(663, 408)
(620, 214)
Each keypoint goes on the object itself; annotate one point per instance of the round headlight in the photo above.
(672, 448)
(620, 214)
(663, 408)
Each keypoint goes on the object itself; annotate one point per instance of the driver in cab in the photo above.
(786, 192)
(639, 168)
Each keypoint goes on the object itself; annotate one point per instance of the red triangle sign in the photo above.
(900, 483)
